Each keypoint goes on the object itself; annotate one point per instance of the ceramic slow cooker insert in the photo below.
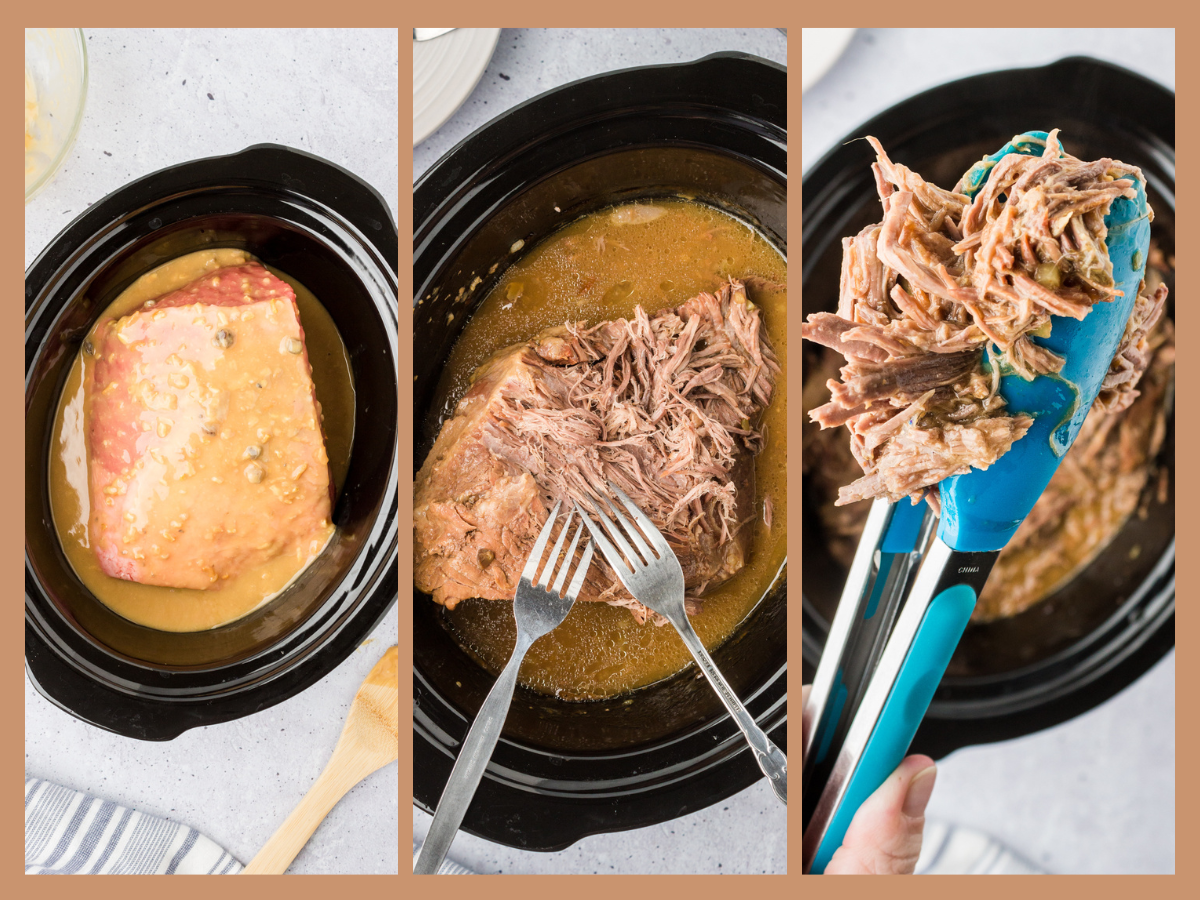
(715, 129)
(333, 232)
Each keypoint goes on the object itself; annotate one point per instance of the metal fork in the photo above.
(656, 581)
(539, 609)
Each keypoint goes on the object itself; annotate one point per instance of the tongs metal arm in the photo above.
(930, 623)
(861, 577)
(886, 559)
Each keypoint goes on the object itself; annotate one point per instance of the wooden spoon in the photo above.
(370, 740)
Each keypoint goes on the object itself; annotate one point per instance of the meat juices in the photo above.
(663, 406)
(943, 277)
(206, 452)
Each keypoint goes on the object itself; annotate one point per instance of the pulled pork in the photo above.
(944, 278)
(663, 406)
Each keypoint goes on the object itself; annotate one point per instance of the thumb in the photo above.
(885, 836)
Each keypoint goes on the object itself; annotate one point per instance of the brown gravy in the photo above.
(172, 609)
(601, 267)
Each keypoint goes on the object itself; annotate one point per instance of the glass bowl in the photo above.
(56, 78)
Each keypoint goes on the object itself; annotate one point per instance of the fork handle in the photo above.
(769, 757)
(469, 768)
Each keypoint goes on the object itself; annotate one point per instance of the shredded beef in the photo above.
(665, 407)
(944, 279)
(1119, 388)
(1110, 469)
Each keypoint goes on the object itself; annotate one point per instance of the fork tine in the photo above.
(648, 528)
(577, 581)
(635, 561)
(606, 547)
(566, 564)
(535, 555)
(552, 561)
(634, 535)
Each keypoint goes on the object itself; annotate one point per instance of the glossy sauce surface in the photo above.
(657, 254)
(290, 466)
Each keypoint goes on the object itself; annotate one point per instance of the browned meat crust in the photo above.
(665, 407)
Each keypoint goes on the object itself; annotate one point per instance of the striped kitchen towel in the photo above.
(953, 850)
(448, 867)
(68, 832)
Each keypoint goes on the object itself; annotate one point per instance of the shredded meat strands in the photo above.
(661, 406)
(665, 407)
(942, 279)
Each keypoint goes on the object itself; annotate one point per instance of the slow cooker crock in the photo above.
(1114, 620)
(715, 129)
(333, 232)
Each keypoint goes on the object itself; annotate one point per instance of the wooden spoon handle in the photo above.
(346, 768)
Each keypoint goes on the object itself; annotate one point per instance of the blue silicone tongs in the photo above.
(981, 510)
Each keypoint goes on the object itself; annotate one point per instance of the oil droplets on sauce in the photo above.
(601, 267)
(171, 609)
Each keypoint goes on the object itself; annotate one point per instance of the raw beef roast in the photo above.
(206, 451)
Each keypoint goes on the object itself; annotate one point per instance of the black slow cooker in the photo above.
(715, 129)
(1115, 619)
(333, 232)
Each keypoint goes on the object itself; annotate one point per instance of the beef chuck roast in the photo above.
(207, 456)
(664, 406)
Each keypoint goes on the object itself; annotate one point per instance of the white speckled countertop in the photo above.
(1097, 794)
(157, 98)
(748, 832)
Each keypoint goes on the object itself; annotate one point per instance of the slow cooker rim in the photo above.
(40, 287)
(44, 306)
(113, 206)
(765, 691)
(87, 655)
(1065, 64)
(534, 108)
(427, 230)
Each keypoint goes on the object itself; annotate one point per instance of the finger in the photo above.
(885, 836)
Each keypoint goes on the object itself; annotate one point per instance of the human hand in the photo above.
(884, 838)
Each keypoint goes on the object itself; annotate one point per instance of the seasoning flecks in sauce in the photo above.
(656, 254)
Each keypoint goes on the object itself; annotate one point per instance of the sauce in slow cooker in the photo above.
(601, 267)
(174, 609)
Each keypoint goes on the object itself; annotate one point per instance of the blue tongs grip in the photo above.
(926, 662)
(981, 510)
